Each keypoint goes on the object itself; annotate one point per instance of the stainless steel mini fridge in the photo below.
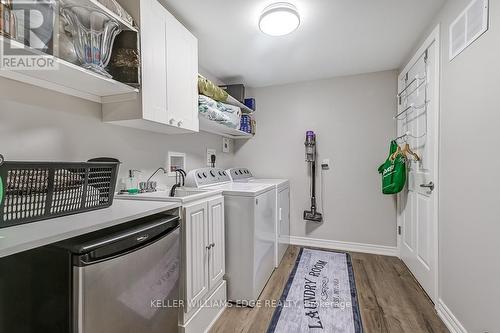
(119, 280)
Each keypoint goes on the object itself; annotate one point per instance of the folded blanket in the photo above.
(226, 114)
(209, 89)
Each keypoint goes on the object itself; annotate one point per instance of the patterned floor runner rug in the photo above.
(320, 296)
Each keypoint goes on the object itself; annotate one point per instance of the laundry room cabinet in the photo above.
(168, 99)
(204, 258)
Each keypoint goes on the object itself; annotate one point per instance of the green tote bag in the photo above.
(393, 172)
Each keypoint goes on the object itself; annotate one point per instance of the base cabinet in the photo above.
(204, 290)
(197, 253)
(216, 258)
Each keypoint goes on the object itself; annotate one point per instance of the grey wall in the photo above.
(469, 188)
(352, 117)
(37, 124)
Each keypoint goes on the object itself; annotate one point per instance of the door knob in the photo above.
(430, 186)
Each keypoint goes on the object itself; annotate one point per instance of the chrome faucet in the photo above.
(154, 173)
(149, 186)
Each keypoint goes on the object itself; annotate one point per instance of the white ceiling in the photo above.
(335, 38)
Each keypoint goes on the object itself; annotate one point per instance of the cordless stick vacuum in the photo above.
(312, 215)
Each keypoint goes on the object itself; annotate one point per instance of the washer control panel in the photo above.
(239, 173)
(206, 176)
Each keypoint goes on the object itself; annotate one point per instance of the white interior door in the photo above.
(418, 117)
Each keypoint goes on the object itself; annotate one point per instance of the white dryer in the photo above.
(282, 218)
(250, 211)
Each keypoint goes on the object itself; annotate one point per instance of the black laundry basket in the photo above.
(34, 191)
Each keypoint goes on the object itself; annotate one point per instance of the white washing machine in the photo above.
(282, 218)
(250, 211)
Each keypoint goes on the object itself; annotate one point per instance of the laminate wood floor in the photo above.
(389, 297)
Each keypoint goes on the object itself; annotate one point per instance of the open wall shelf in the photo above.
(99, 7)
(213, 127)
(233, 101)
(68, 78)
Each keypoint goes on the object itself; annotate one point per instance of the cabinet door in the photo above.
(196, 255)
(182, 75)
(154, 61)
(216, 260)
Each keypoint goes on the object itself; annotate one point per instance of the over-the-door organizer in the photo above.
(34, 191)
(410, 110)
(398, 163)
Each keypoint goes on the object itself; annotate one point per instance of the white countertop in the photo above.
(184, 195)
(29, 236)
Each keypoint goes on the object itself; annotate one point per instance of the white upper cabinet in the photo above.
(168, 101)
(154, 61)
(182, 75)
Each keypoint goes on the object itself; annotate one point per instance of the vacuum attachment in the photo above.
(310, 144)
(313, 216)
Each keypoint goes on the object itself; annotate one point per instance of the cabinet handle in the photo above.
(212, 245)
(209, 246)
(179, 124)
(171, 121)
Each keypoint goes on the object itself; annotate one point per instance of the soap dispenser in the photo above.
(132, 182)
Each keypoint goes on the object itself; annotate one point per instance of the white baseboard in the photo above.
(449, 318)
(345, 246)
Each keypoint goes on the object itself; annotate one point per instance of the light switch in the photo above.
(325, 165)
(226, 145)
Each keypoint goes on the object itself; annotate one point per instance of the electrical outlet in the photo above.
(210, 152)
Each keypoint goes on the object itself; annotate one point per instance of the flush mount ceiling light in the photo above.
(279, 19)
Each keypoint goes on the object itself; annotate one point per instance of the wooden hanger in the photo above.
(407, 151)
(396, 153)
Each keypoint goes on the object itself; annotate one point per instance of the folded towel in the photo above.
(204, 100)
(222, 113)
(24, 182)
(231, 120)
